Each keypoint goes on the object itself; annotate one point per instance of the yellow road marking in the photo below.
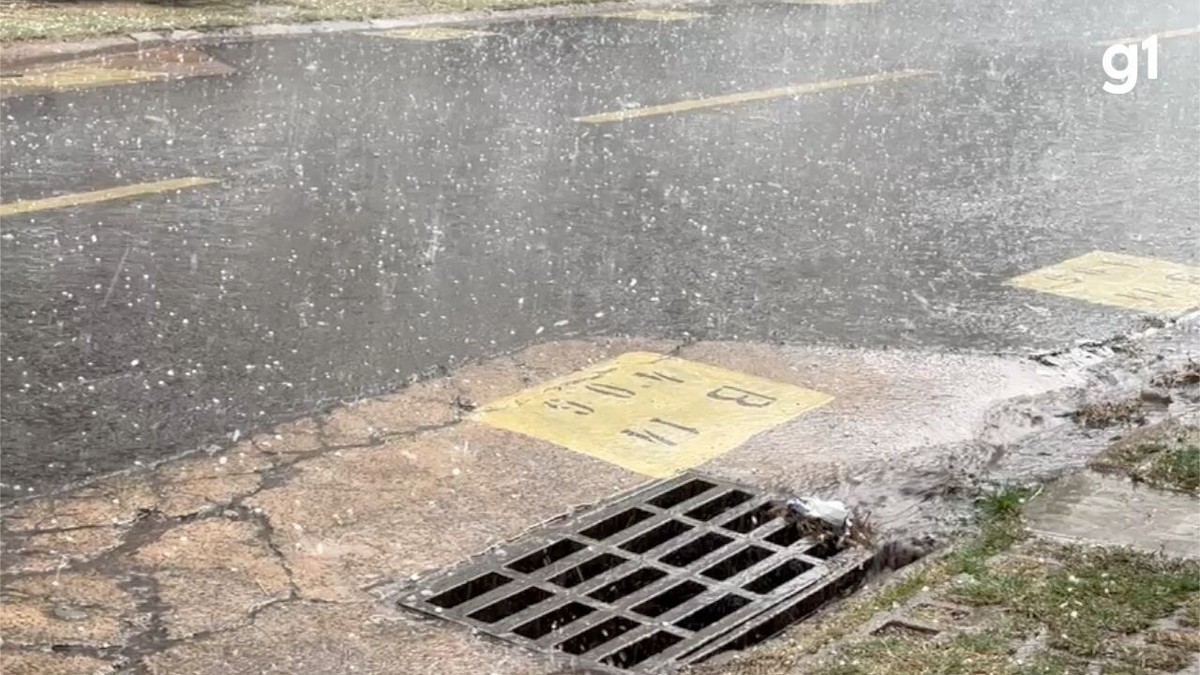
(655, 15)
(1165, 35)
(75, 78)
(748, 97)
(650, 413)
(434, 33)
(1126, 281)
(830, 2)
(105, 195)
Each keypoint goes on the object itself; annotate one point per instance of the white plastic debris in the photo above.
(831, 512)
(827, 520)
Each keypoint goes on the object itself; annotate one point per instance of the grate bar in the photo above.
(666, 575)
(584, 573)
(779, 616)
(592, 585)
(575, 629)
(612, 654)
(700, 545)
(655, 540)
(493, 596)
(509, 625)
(558, 567)
(689, 497)
(472, 591)
(706, 634)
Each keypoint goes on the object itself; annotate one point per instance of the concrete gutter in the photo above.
(261, 552)
(262, 555)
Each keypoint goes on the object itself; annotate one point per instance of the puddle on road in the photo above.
(1088, 507)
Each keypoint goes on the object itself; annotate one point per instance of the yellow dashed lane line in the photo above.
(1164, 35)
(433, 34)
(108, 194)
(74, 78)
(749, 97)
(831, 2)
(661, 15)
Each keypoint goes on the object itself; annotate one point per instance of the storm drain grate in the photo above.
(670, 574)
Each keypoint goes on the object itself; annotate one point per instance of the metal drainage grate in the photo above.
(670, 574)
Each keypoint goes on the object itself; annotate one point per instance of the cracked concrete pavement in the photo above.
(338, 269)
(268, 556)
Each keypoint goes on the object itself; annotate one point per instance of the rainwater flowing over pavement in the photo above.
(292, 323)
(382, 208)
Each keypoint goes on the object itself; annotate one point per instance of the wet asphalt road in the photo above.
(389, 207)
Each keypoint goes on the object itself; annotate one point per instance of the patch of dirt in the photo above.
(904, 630)
(1187, 375)
(1035, 608)
(1110, 413)
(942, 615)
(65, 609)
(40, 663)
(1166, 455)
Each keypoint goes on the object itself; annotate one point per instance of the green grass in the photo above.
(1090, 605)
(1178, 468)
(1103, 593)
(990, 588)
(1007, 502)
(1086, 603)
(961, 655)
(1050, 663)
(1000, 528)
(1090, 608)
(25, 20)
(1167, 456)
(1088, 597)
(30, 21)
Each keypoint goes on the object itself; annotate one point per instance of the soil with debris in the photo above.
(1002, 603)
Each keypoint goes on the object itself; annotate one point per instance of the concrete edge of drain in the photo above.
(773, 621)
(875, 621)
(848, 579)
(853, 571)
(390, 591)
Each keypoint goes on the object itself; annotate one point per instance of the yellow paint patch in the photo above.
(143, 65)
(74, 78)
(749, 97)
(656, 15)
(123, 192)
(650, 413)
(433, 33)
(1130, 282)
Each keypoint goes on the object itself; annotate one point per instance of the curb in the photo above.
(47, 52)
